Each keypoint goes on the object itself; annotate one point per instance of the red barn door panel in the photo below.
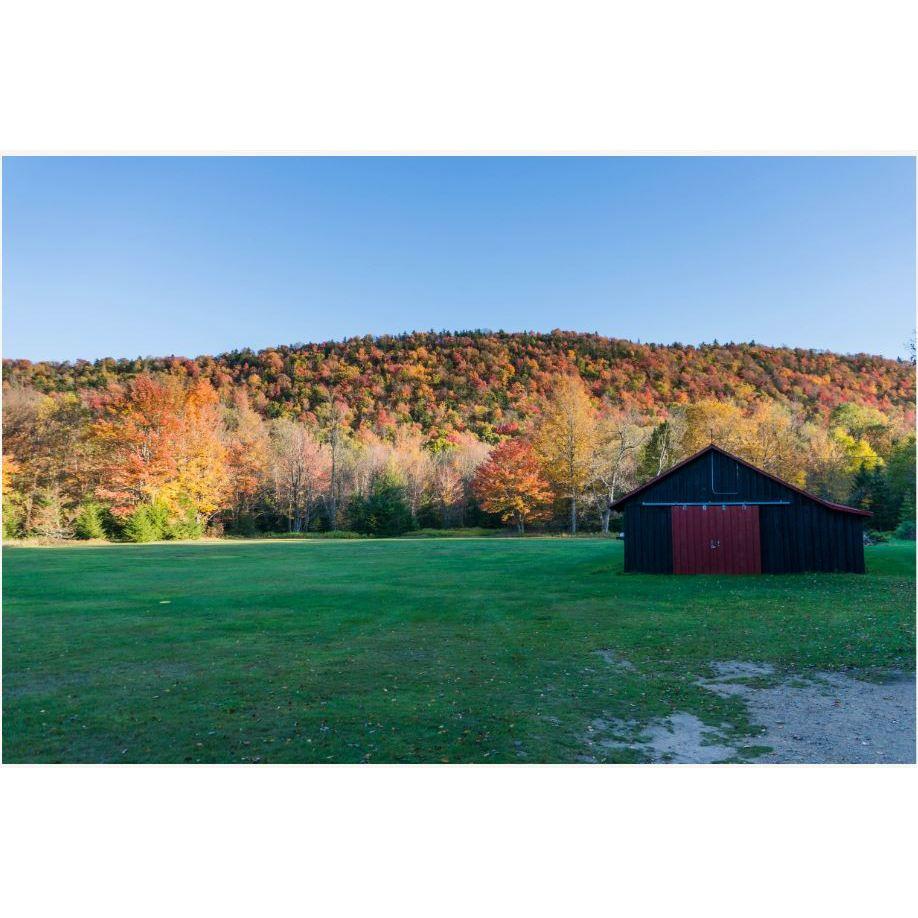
(716, 540)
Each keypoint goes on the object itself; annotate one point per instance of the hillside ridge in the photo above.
(479, 379)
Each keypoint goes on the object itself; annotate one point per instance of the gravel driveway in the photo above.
(826, 717)
(817, 718)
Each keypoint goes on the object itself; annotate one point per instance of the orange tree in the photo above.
(511, 483)
(160, 442)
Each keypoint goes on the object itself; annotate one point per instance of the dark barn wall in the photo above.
(732, 481)
(809, 537)
(648, 539)
(801, 536)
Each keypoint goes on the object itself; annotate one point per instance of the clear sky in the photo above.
(155, 256)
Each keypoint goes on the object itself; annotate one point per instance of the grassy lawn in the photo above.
(400, 651)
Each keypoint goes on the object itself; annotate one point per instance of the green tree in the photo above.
(147, 523)
(870, 491)
(906, 527)
(89, 522)
(900, 471)
(885, 513)
(183, 525)
(659, 451)
(907, 510)
(12, 519)
(385, 511)
(862, 423)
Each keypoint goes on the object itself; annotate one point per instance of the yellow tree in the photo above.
(710, 421)
(10, 467)
(415, 466)
(864, 425)
(772, 438)
(48, 436)
(564, 440)
(11, 515)
(447, 485)
(201, 484)
(827, 473)
(246, 442)
(618, 441)
(862, 433)
(454, 470)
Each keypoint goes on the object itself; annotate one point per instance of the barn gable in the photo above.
(794, 531)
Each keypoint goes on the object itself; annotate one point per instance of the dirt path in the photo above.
(826, 717)
(817, 718)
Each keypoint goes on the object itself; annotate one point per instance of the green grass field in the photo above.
(400, 651)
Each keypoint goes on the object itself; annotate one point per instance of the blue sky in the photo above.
(137, 256)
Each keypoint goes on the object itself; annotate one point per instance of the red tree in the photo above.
(511, 483)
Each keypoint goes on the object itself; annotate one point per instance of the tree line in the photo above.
(478, 381)
(171, 455)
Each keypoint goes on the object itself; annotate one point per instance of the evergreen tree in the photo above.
(185, 525)
(870, 491)
(907, 510)
(906, 527)
(385, 511)
(147, 523)
(89, 522)
(900, 473)
(860, 488)
(657, 454)
(885, 515)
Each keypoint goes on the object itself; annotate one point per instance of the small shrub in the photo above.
(906, 530)
(459, 532)
(148, 523)
(90, 522)
(186, 526)
(140, 527)
(873, 537)
(327, 534)
(12, 520)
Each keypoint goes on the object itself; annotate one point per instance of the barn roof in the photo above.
(714, 448)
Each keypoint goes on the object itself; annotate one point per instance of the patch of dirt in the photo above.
(614, 659)
(824, 718)
(681, 738)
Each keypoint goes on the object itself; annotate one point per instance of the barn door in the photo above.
(716, 540)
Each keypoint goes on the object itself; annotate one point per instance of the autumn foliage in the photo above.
(432, 431)
(566, 435)
(478, 381)
(159, 443)
(511, 483)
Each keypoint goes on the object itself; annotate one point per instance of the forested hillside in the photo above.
(429, 430)
(477, 381)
